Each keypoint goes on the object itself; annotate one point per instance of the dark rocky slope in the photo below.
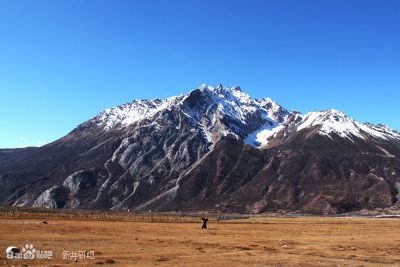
(318, 177)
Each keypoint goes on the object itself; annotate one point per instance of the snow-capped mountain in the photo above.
(334, 121)
(231, 111)
(216, 111)
(214, 148)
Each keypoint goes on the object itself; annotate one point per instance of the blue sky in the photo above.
(62, 62)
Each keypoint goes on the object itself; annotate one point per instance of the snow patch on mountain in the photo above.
(260, 137)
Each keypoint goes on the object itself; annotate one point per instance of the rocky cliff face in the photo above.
(212, 149)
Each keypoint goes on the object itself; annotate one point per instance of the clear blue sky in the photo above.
(62, 62)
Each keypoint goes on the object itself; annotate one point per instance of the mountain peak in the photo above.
(219, 87)
(333, 121)
(229, 110)
(237, 88)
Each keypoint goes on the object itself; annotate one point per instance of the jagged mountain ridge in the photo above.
(241, 109)
(147, 154)
(207, 107)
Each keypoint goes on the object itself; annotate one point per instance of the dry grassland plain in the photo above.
(256, 241)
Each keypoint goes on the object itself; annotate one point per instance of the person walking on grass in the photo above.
(204, 220)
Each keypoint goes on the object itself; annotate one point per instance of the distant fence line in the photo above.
(43, 213)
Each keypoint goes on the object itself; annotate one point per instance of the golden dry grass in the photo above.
(258, 241)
